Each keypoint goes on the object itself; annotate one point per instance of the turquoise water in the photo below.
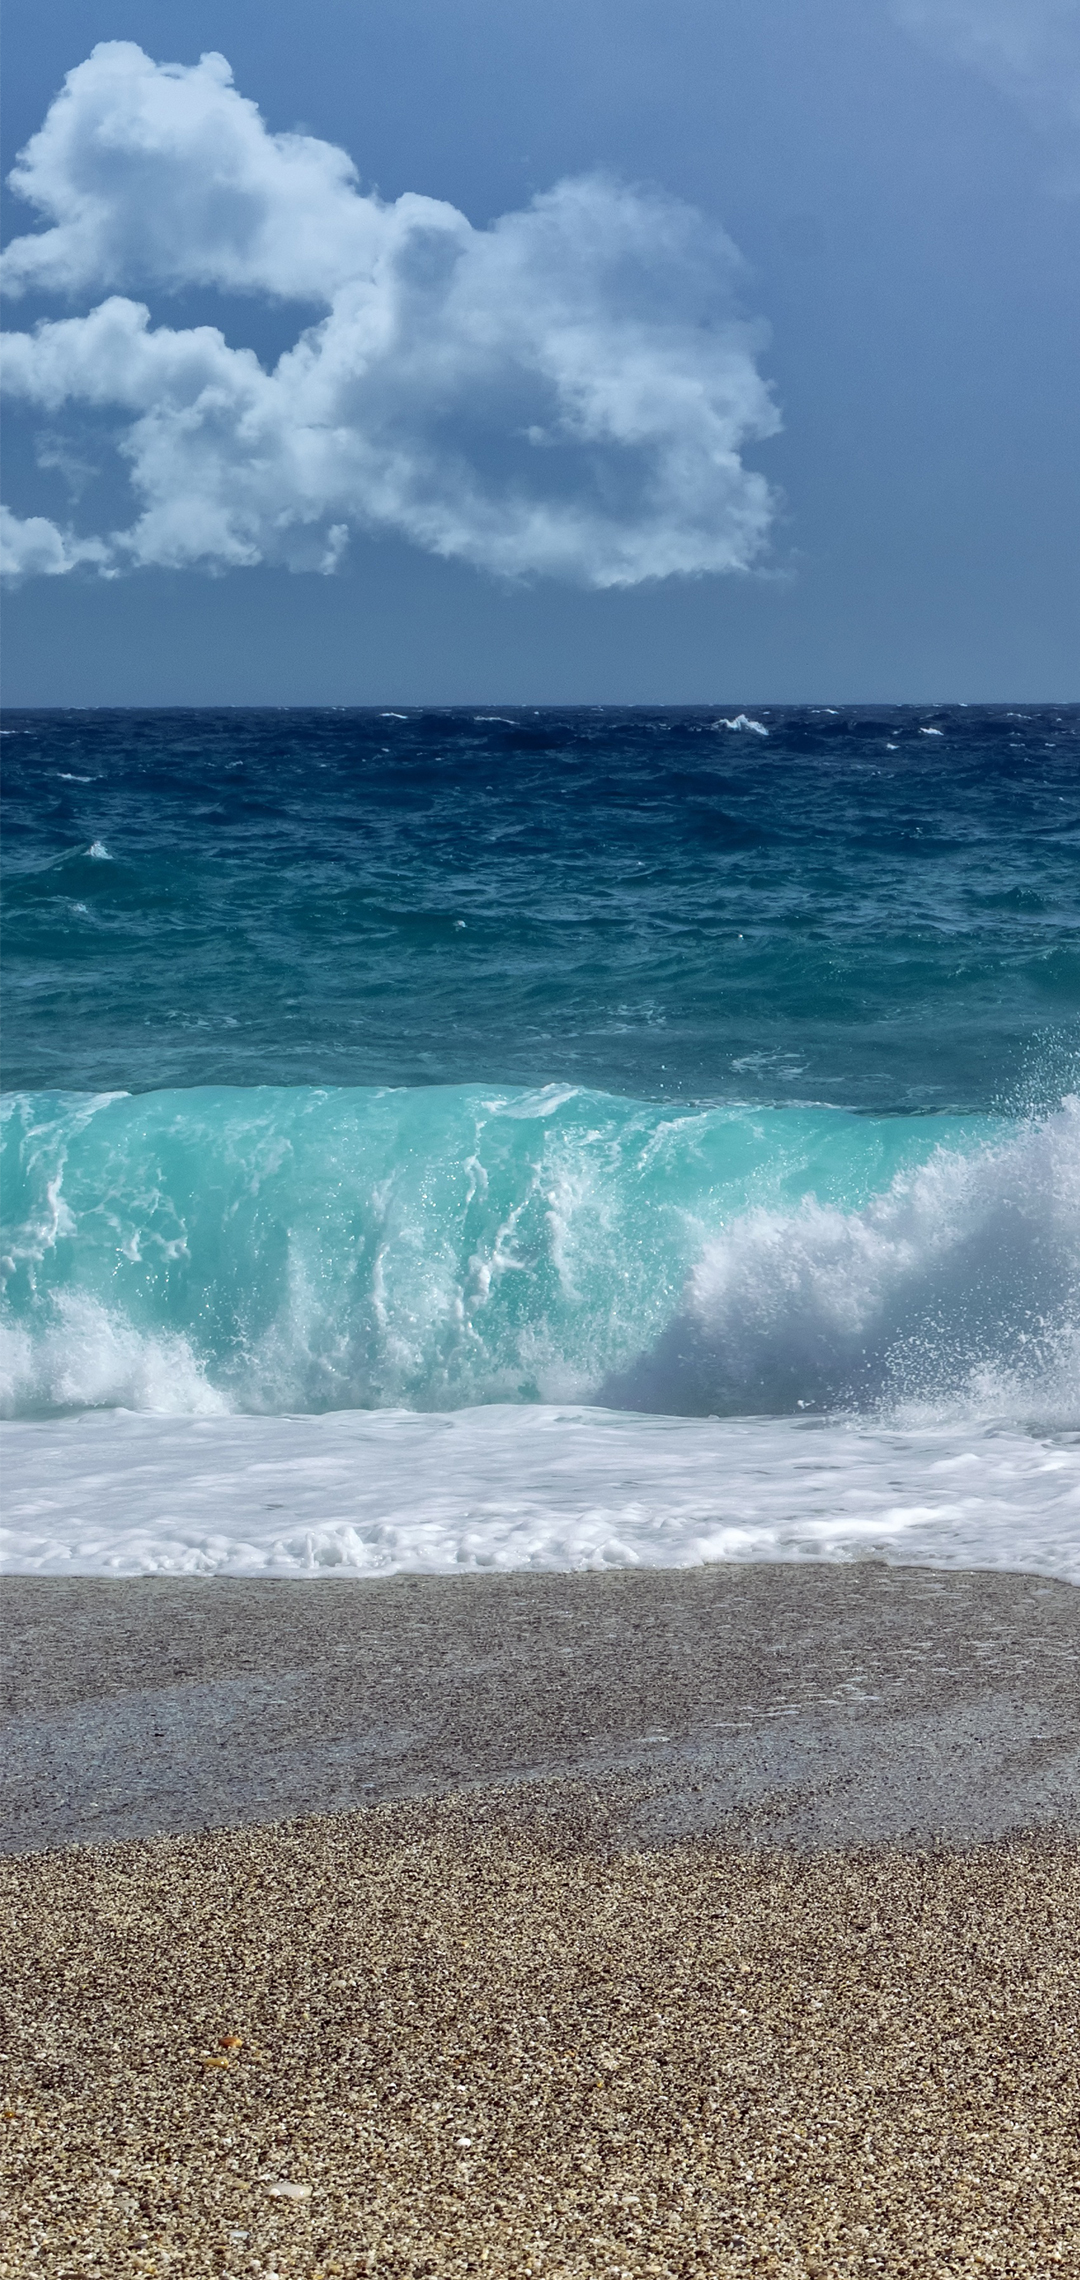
(369, 1061)
(283, 1249)
(427, 1247)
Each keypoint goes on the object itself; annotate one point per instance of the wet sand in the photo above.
(812, 1704)
(711, 1923)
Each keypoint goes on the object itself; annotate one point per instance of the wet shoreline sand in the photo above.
(814, 1703)
(739, 1938)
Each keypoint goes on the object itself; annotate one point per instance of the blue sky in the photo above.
(649, 351)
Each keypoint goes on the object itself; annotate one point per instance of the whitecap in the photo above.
(98, 850)
(90, 1356)
(744, 722)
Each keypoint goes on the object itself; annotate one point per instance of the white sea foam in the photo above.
(743, 721)
(370, 1493)
(91, 1357)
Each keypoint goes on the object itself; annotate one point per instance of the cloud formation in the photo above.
(1030, 49)
(569, 391)
(32, 547)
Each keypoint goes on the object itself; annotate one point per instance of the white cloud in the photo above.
(1028, 48)
(161, 174)
(32, 546)
(568, 391)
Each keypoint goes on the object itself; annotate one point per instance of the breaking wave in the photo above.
(297, 1249)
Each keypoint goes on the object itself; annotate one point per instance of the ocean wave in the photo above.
(958, 1286)
(278, 1250)
(743, 721)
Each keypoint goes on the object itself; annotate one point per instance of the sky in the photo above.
(621, 351)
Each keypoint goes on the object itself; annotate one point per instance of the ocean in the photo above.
(531, 1138)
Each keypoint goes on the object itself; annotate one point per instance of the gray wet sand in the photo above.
(815, 1705)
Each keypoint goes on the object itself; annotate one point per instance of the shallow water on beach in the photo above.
(681, 1104)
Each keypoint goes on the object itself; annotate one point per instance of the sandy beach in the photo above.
(709, 1923)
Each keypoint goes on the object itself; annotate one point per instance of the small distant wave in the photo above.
(744, 722)
(98, 850)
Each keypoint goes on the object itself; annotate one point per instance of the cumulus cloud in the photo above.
(1028, 48)
(569, 391)
(158, 174)
(32, 546)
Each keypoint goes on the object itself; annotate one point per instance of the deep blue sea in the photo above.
(644, 1065)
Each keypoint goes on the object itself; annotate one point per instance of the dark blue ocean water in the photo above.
(875, 909)
(675, 1059)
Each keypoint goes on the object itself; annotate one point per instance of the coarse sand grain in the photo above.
(474, 2035)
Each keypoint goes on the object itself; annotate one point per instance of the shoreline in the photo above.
(815, 1704)
(528, 1487)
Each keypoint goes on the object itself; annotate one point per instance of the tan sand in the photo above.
(474, 2035)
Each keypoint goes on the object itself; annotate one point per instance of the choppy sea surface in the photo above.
(440, 1139)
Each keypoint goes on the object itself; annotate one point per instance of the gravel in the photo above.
(469, 2035)
(712, 1924)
